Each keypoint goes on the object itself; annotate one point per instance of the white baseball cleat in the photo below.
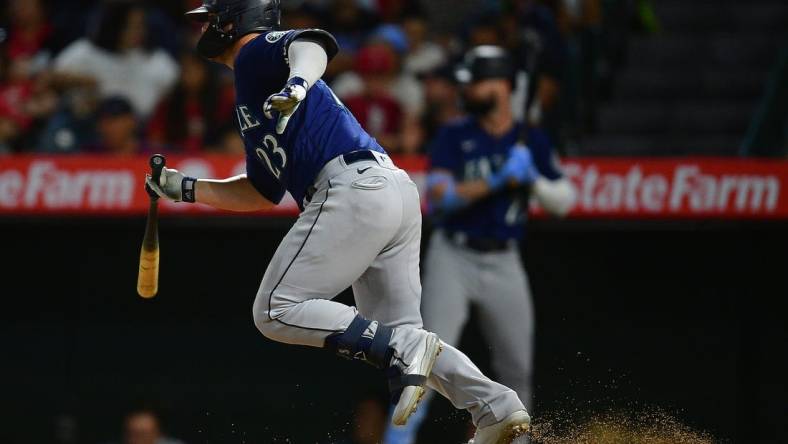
(411, 378)
(505, 432)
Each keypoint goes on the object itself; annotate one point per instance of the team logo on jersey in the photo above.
(273, 37)
(467, 146)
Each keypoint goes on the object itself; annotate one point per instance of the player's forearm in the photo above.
(450, 196)
(308, 60)
(471, 191)
(233, 194)
(556, 196)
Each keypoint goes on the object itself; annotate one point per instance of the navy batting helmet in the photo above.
(246, 16)
(485, 62)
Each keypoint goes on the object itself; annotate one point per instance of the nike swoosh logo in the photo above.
(360, 171)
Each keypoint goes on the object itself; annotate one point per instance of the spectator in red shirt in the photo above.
(377, 111)
(15, 89)
(25, 97)
(29, 31)
(195, 114)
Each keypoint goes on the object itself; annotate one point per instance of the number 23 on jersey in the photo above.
(270, 152)
(273, 155)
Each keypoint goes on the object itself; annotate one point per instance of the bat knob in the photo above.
(157, 163)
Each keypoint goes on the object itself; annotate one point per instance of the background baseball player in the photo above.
(360, 223)
(477, 193)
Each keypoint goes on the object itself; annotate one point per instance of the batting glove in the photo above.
(173, 185)
(449, 200)
(286, 102)
(518, 169)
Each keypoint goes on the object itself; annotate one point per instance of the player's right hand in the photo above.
(173, 185)
(519, 169)
(286, 102)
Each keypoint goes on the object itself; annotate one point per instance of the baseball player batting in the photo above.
(360, 221)
(478, 189)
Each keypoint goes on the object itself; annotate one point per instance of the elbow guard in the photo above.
(556, 197)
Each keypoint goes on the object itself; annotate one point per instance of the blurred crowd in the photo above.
(121, 77)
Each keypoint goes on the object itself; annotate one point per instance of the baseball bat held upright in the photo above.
(148, 277)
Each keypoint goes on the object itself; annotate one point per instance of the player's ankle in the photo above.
(363, 340)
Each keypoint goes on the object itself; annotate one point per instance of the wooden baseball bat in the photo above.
(148, 277)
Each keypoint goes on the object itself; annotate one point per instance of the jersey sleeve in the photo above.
(443, 152)
(263, 181)
(266, 55)
(544, 155)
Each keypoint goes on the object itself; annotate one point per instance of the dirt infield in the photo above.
(654, 427)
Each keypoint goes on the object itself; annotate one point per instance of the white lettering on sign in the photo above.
(11, 186)
(740, 193)
(653, 193)
(606, 187)
(687, 189)
(44, 185)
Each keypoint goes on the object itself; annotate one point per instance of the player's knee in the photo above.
(265, 313)
(265, 324)
(262, 318)
(266, 327)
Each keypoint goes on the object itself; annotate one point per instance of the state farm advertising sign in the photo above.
(678, 188)
(107, 186)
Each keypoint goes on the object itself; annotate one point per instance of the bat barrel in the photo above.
(148, 277)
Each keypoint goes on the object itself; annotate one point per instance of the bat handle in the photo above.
(157, 163)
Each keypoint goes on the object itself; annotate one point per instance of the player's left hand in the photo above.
(443, 192)
(173, 185)
(286, 102)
